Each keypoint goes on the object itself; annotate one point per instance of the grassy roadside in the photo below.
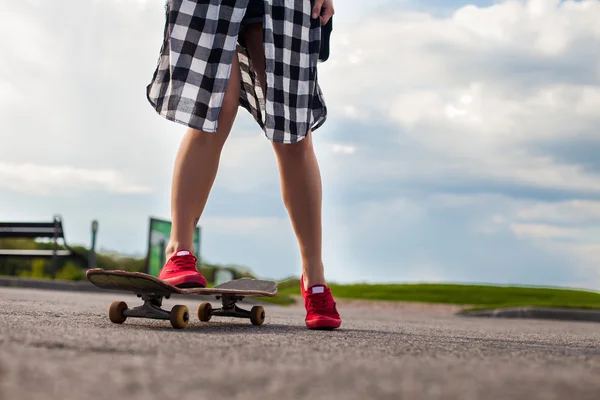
(281, 299)
(470, 296)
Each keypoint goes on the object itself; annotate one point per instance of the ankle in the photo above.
(174, 247)
(313, 274)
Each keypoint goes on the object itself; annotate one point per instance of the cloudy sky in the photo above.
(462, 142)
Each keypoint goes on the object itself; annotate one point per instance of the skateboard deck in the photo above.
(152, 290)
(141, 283)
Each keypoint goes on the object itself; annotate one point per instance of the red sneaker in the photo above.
(321, 311)
(181, 271)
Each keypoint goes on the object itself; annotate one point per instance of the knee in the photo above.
(203, 138)
(294, 150)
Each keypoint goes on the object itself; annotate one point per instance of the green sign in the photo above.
(158, 239)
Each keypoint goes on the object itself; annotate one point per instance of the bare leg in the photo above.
(300, 180)
(196, 167)
(301, 190)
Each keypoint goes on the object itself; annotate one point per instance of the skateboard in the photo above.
(152, 291)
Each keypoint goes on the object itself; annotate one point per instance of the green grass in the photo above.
(280, 299)
(473, 296)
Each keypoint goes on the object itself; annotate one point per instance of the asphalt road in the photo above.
(60, 345)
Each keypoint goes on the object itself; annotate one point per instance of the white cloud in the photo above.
(248, 163)
(563, 228)
(268, 227)
(343, 149)
(541, 231)
(456, 88)
(472, 91)
(572, 211)
(45, 180)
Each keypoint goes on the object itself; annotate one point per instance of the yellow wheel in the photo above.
(180, 317)
(257, 315)
(115, 312)
(204, 310)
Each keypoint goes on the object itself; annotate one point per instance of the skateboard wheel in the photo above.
(115, 312)
(179, 317)
(257, 315)
(204, 310)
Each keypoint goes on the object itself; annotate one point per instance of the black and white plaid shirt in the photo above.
(200, 39)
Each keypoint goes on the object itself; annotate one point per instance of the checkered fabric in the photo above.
(200, 39)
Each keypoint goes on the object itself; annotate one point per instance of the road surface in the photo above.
(60, 345)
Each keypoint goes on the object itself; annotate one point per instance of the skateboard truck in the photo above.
(150, 309)
(229, 308)
(179, 314)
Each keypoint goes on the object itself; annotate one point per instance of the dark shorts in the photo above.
(254, 13)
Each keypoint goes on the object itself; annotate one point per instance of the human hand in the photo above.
(324, 8)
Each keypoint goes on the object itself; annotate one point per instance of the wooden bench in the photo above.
(33, 230)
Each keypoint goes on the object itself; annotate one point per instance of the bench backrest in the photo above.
(31, 229)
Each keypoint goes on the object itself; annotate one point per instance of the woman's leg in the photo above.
(300, 180)
(301, 190)
(196, 168)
